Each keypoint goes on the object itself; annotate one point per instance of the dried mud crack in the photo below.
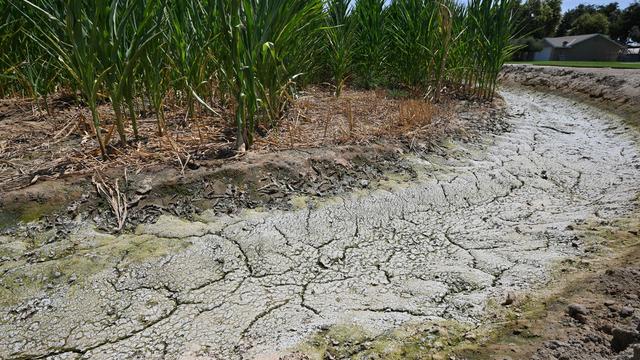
(480, 222)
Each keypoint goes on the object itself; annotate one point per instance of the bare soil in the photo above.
(617, 90)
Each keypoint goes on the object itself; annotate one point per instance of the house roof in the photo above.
(570, 41)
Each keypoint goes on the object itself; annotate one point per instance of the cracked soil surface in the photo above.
(485, 220)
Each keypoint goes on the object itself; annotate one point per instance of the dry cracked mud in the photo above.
(483, 221)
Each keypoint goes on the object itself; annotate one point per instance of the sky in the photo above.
(570, 4)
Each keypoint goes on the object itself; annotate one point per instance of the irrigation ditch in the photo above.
(616, 90)
(468, 250)
(288, 190)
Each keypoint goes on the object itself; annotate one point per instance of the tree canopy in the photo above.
(539, 18)
(590, 23)
(605, 19)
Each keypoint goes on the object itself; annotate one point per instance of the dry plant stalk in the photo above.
(176, 150)
(350, 118)
(415, 113)
(116, 200)
(326, 127)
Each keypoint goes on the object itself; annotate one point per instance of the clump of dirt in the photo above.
(323, 148)
(617, 90)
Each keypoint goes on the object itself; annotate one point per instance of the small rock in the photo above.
(72, 207)
(544, 175)
(554, 344)
(551, 345)
(577, 309)
(578, 312)
(470, 336)
(134, 201)
(219, 188)
(324, 262)
(609, 303)
(278, 195)
(511, 298)
(364, 183)
(622, 338)
(606, 328)
(145, 187)
(626, 311)
(591, 338)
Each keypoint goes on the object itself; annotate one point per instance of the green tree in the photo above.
(613, 13)
(571, 16)
(629, 19)
(552, 14)
(619, 22)
(590, 24)
(539, 18)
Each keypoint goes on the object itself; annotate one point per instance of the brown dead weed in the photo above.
(357, 117)
(35, 146)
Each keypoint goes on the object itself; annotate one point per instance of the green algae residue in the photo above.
(29, 212)
(299, 202)
(338, 342)
(73, 261)
(416, 341)
(35, 202)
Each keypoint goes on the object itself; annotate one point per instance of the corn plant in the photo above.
(413, 27)
(251, 56)
(69, 31)
(425, 37)
(23, 65)
(267, 45)
(131, 27)
(37, 75)
(156, 71)
(494, 23)
(459, 51)
(9, 39)
(371, 50)
(340, 41)
(191, 26)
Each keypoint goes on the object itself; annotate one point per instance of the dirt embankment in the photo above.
(617, 90)
(326, 147)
